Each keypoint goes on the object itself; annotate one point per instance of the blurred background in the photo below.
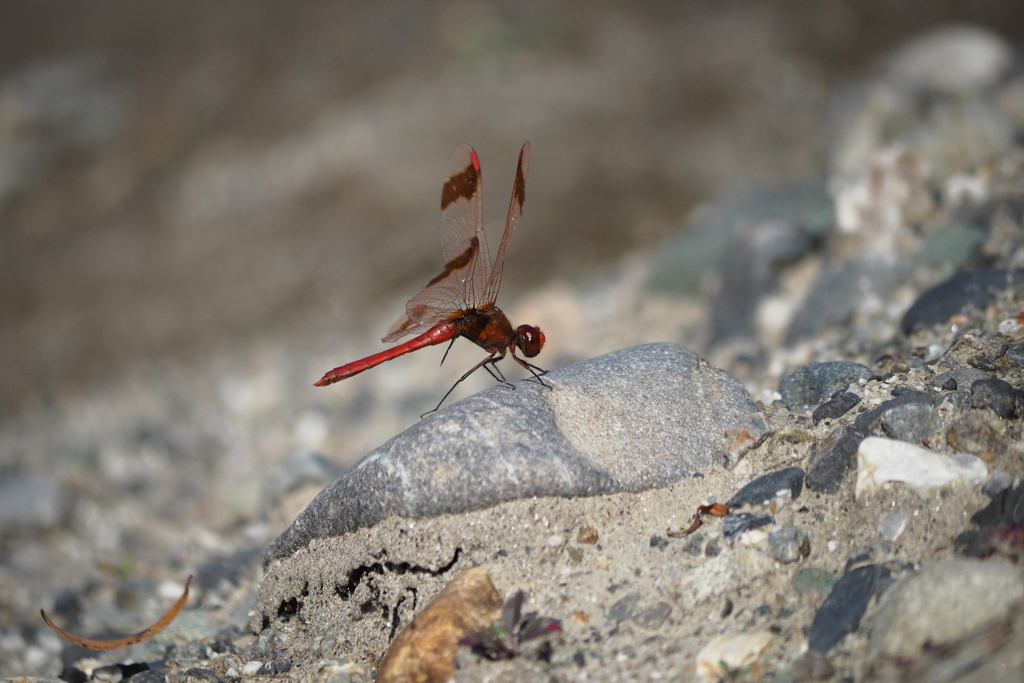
(184, 179)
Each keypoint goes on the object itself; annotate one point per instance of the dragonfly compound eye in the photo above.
(531, 340)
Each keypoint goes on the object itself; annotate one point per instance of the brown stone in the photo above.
(424, 652)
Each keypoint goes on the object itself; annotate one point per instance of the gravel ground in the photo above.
(201, 449)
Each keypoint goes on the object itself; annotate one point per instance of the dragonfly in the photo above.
(459, 302)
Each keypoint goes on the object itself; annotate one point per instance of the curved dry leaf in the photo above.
(715, 510)
(148, 633)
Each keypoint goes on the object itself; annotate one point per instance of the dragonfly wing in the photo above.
(467, 263)
(441, 299)
(515, 212)
(462, 221)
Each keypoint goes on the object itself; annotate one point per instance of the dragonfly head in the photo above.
(530, 340)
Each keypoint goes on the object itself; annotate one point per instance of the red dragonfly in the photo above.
(460, 301)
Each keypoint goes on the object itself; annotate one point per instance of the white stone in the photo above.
(883, 460)
(727, 654)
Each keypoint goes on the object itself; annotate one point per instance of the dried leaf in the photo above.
(93, 644)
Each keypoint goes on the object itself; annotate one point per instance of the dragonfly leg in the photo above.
(534, 370)
(446, 355)
(482, 364)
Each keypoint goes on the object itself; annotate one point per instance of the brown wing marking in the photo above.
(467, 263)
(515, 212)
(440, 300)
(93, 644)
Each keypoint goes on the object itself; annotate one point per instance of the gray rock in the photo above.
(911, 421)
(628, 421)
(833, 458)
(999, 395)
(835, 407)
(817, 382)
(842, 610)
(1015, 354)
(964, 378)
(788, 544)
(767, 486)
(739, 522)
(943, 604)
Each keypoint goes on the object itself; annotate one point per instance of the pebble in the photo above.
(835, 407)
(974, 433)
(766, 487)
(812, 578)
(739, 522)
(815, 383)
(999, 395)
(958, 378)
(846, 603)
(724, 656)
(1006, 506)
(884, 460)
(893, 525)
(425, 650)
(623, 608)
(654, 616)
(1015, 354)
(940, 303)
(942, 604)
(788, 544)
(872, 419)
(502, 445)
(912, 421)
(832, 458)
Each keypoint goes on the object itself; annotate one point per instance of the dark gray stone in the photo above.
(835, 407)
(833, 458)
(999, 395)
(841, 612)
(765, 487)
(628, 421)
(964, 378)
(744, 521)
(872, 419)
(1015, 354)
(1005, 506)
(975, 289)
(911, 421)
(817, 382)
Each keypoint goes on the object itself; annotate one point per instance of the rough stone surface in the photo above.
(944, 603)
(578, 439)
(818, 382)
